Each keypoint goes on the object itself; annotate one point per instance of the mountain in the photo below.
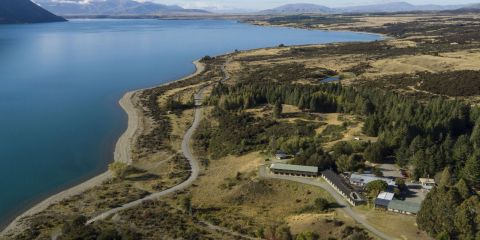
(472, 6)
(112, 7)
(385, 7)
(24, 11)
(298, 9)
(397, 7)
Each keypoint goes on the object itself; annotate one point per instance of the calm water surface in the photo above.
(60, 84)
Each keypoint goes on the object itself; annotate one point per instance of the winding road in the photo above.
(187, 152)
(195, 169)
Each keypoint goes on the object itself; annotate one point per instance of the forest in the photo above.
(428, 137)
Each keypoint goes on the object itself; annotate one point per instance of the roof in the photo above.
(427, 187)
(427, 180)
(290, 167)
(366, 178)
(337, 181)
(404, 206)
(385, 195)
(382, 202)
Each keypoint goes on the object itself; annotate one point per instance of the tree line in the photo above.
(428, 136)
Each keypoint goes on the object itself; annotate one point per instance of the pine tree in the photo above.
(402, 155)
(371, 126)
(438, 211)
(445, 178)
(467, 217)
(475, 137)
(301, 103)
(463, 189)
(471, 171)
(277, 109)
(462, 149)
(187, 204)
(374, 152)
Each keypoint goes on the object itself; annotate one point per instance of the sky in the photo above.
(266, 4)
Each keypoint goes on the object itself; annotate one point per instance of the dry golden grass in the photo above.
(286, 109)
(218, 171)
(260, 112)
(420, 63)
(184, 94)
(396, 225)
(260, 200)
(401, 43)
(264, 52)
(336, 63)
(180, 124)
(320, 223)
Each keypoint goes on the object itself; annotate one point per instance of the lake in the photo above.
(60, 84)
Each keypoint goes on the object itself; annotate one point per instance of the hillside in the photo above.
(24, 11)
(299, 8)
(385, 7)
(397, 7)
(113, 7)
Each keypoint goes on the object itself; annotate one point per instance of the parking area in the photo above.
(416, 193)
(390, 170)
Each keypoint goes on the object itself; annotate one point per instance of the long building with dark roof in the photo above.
(341, 187)
(295, 170)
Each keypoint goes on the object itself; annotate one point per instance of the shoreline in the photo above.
(122, 153)
(123, 146)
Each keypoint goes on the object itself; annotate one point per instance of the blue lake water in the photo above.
(60, 84)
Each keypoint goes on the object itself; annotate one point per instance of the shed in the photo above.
(281, 155)
(383, 199)
(386, 195)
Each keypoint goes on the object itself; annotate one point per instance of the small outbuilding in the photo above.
(383, 199)
(427, 183)
(281, 155)
(295, 170)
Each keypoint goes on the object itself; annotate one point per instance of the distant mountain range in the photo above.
(385, 7)
(24, 11)
(112, 8)
(299, 8)
(472, 6)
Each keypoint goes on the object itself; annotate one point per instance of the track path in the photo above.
(187, 152)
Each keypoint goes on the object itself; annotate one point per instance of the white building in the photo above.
(363, 179)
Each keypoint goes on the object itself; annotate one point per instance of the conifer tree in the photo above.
(445, 178)
(475, 137)
(471, 171)
(277, 109)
